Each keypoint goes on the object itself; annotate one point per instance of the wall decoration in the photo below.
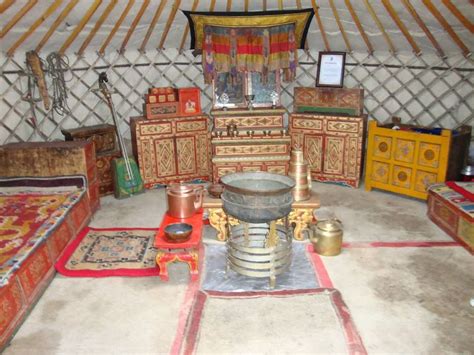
(198, 20)
(331, 69)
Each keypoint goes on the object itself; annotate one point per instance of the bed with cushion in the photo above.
(39, 216)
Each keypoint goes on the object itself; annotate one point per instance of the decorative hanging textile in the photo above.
(249, 49)
(301, 18)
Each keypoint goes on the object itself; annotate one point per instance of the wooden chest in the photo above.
(336, 101)
(172, 150)
(102, 135)
(104, 169)
(332, 145)
(453, 213)
(53, 159)
(408, 162)
(245, 141)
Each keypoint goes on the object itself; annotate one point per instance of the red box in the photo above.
(453, 213)
(162, 110)
(161, 95)
(190, 101)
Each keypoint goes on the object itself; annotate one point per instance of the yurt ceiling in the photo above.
(412, 57)
(444, 26)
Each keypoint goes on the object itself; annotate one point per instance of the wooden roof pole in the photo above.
(34, 26)
(5, 5)
(18, 16)
(70, 5)
(246, 5)
(264, 5)
(116, 26)
(280, 5)
(97, 26)
(446, 26)
(229, 5)
(212, 5)
(155, 19)
(379, 25)
(174, 9)
(454, 10)
(186, 30)
(134, 24)
(80, 26)
(393, 14)
(320, 24)
(423, 26)
(359, 26)
(339, 24)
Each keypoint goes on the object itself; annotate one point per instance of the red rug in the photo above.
(110, 252)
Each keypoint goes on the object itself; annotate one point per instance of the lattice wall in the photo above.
(424, 90)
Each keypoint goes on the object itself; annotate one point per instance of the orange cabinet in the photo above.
(332, 145)
(408, 162)
(171, 150)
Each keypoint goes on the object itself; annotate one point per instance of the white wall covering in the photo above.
(424, 90)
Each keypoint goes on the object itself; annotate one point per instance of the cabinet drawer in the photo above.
(154, 128)
(191, 125)
(247, 122)
(301, 122)
(251, 149)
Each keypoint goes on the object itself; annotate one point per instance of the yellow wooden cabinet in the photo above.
(407, 162)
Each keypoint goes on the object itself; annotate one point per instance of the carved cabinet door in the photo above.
(186, 159)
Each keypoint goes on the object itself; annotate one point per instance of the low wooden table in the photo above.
(187, 252)
(300, 216)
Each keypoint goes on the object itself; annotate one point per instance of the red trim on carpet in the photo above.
(195, 323)
(69, 250)
(186, 308)
(407, 244)
(460, 190)
(353, 339)
(319, 269)
(123, 229)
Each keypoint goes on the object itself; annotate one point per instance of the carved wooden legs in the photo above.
(188, 256)
(218, 220)
(300, 218)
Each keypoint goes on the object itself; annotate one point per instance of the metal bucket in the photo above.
(257, 197)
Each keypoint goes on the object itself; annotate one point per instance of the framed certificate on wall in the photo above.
(331, 69)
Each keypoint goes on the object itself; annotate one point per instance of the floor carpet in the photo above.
(246, 322)
(110, 252)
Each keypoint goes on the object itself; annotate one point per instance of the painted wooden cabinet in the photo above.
(332, 145)
(249, 140)
(408, 162)
(171, 150)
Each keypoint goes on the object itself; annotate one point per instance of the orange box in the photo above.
(189, 101)
(150, 99)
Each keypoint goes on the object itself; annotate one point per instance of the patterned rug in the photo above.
(26, 219)
(110, 252)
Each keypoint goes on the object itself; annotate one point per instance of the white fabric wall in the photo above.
(424, 90)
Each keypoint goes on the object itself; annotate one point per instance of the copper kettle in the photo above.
(184, 200)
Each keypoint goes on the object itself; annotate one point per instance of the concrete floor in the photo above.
(403, 300)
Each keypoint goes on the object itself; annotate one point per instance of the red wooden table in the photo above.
(187, 252)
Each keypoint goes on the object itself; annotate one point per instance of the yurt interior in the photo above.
(236, 177)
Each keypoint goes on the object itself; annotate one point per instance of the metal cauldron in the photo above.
(257, 197)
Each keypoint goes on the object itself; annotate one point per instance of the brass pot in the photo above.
(184, 200)
(326, 237)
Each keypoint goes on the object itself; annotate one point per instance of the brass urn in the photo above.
(326, 237)
(298, 170)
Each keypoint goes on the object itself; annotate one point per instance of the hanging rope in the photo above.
(57, 65)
